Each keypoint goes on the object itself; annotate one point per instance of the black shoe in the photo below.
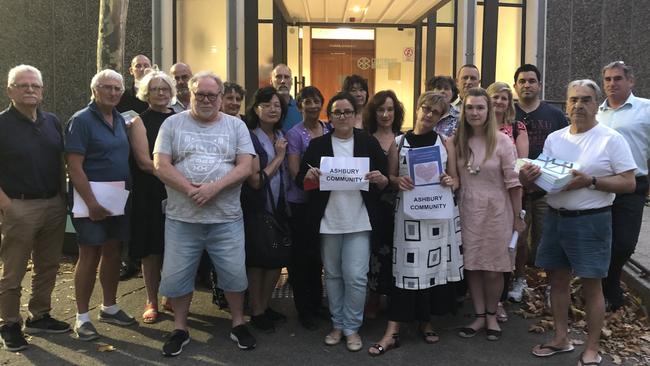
(244, 339)
(127, 270)
(307, 322)
(275, 316)
(263, 323)
(12, 337)
(174, 345)
(322, 313)
(46, 324)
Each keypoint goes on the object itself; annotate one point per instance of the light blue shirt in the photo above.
(632, 120)
(293, 116)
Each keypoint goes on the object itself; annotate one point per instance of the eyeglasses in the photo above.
(426, 109)
(267, 106)
(24, 87)
(342, 114)
(110, 88)
(157, 89)
(211, 97)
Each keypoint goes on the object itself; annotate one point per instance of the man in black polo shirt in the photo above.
(540, 119)
(32, 208)
(129, 102)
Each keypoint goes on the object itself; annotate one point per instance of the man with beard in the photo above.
(129, 102)
(630, 116)
(468, 77)
(281, 81)
(182, 74)
(203, 156)
(540, 119)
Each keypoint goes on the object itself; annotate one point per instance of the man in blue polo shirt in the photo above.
(281, 80)
(630, 116)
(32, 208)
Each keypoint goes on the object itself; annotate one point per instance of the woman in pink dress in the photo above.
(490, 207)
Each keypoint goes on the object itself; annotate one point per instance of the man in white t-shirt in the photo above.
(203, 156)
(577, 231)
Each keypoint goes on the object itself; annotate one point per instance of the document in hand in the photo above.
(344, 174)
(556, 173)
(111, 195)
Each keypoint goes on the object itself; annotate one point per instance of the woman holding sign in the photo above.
(490, 207)
(426, 252)
(349, 168)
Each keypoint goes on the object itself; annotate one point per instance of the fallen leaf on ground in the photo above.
(103, 347)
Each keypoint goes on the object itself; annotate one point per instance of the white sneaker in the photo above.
(517, 291)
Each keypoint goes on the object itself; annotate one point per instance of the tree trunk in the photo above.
(111, 34)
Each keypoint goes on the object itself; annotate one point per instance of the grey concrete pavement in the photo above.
(290, 345)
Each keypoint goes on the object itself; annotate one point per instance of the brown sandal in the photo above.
(150, 314)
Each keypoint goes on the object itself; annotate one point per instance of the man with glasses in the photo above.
(32, 208)
(281, 81)
(540, 119)
(203, 157)
(181, 73)
(129, 102)
(630, 116)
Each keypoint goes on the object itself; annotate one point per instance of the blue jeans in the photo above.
(184, 244)
(345, 260)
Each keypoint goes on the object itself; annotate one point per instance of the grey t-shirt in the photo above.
(204, 153)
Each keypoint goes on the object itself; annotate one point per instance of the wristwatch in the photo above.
(593, 183)
(522, 214)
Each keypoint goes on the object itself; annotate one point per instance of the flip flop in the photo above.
(592, 363)
(554, 350)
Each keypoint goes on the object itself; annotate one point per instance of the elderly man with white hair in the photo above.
(97, 150)
(32, 208)
(577, 231)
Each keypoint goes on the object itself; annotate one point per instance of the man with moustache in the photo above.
(32, 208)
(203, 157)
(129, 102)
(181, 73)
(540, 119)
(630, 116)
(281, 81)
(468, 77)
(577, 233)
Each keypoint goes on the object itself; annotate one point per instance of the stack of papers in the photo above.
(556, 173)
(110, 195)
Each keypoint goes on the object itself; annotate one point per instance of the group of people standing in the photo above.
(200, 174)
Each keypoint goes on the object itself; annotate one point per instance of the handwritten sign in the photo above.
(343, 174)
(429, 202)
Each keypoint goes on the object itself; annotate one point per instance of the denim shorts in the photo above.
(581, 243)
(184, 245)
(98, 232)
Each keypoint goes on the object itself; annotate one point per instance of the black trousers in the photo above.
(305, 268)
(627, 214)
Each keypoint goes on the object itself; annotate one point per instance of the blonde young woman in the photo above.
(490, 207)
(504, 112)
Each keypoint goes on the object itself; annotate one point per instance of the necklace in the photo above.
(472, 171)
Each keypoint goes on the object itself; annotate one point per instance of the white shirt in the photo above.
(345, 211)
(601, 151)
(632, 120)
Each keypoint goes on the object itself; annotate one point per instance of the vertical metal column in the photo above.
(279, 37)
(417, 80)
(490, 29)
(250, 49)
(231, 64)
(431, 46)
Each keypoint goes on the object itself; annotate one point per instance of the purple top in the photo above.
(298, 139)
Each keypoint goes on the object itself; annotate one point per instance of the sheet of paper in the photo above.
(111, 195)
(344, 174)
(424, 165)
(429, 202)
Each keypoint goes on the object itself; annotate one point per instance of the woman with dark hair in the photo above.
(420, 289)
(445, 86)
(269, 172)
(490, 207)
(306, 267)
(344, 218)
(357, 86)
(233, 94)
(382, 118)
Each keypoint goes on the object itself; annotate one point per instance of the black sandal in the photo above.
(467, 332)
(428, 333)
(383, 349)
(492, 334)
